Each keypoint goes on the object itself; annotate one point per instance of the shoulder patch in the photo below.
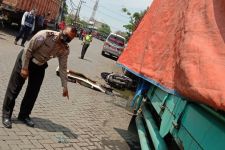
(50, 34)
(40, 38)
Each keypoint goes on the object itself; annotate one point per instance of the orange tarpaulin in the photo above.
(179, 45)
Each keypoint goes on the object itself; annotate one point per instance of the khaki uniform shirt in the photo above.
(42, 47)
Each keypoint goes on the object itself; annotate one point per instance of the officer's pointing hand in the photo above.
(65, 93)
(24, 73)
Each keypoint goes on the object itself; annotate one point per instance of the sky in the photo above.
(110, 11)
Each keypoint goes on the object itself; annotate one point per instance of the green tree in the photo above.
(104, 29)
(83, 23)
(65, 10)
(135, 19)
(69, 19)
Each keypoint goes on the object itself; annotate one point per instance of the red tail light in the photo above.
(120, 49)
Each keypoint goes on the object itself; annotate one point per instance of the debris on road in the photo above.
(81, 79)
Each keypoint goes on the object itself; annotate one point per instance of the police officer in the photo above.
(86, 43)
(32, 62)
(27, 26)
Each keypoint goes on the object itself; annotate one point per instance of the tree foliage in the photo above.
(83, 23)
(104, 29)
(121, 33)
(69, 19)
(65, 10)
(135, 19)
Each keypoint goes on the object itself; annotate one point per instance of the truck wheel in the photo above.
(103, 53)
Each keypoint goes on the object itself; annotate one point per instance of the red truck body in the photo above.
(15, 8)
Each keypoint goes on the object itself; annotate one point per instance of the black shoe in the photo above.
(27, 121)
(7, 122)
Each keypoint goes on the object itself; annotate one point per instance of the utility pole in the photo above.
(78, 10)
(94, 11)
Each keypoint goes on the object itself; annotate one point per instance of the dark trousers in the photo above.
(81, 37)
(84, 49)
(16, 82)
(23, 33)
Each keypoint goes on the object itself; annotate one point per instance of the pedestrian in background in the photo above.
(40, 22)
(32, 62)
(81, 34)
(27, 26)
(46, 20)
(62, 25)
(84, 32)
(86, 43)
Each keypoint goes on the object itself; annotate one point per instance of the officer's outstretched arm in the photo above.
(63, 72)
(65, 93)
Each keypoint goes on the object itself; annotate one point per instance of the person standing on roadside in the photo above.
(27, 26)
(62, 25)
(80, 35)
(31, 63)
(40, 22)
(86, 43)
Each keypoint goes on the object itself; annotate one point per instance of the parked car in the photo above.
(114, 45)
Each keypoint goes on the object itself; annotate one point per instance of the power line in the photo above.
(73, 4)
(78, 10)
(74, 7)
(92, 18)
(119, 20)
(127, 17)
(113, 27)
(115, 12)
(107, 9)
(116, 19)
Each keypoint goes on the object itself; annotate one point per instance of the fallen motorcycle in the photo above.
(116, 80)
